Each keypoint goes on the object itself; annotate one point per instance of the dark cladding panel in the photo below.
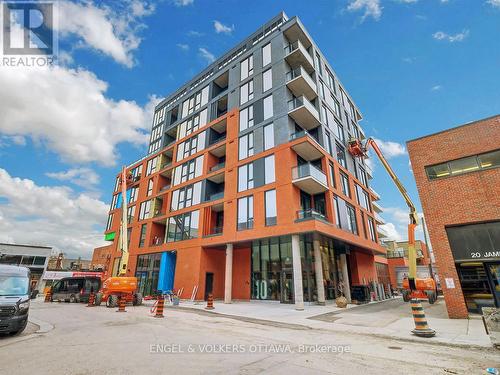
(475, 241)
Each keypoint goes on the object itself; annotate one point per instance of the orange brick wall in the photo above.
(467, 198)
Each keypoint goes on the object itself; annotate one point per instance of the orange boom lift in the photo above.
(118, 286)
(414, 289)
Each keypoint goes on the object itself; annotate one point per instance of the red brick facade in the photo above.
(467, 198)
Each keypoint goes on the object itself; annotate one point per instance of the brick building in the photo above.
(458, 180)
(247, 191)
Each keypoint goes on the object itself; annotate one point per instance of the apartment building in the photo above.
(247, 190)
(458, 179)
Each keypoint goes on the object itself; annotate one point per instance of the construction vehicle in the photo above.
(119, 286)
(413, 288)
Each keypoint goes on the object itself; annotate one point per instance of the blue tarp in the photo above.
(167, 271)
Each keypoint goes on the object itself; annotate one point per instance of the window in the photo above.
(341, 155)
(246, 118)
(344, 181)
(245, 177)
(130, 214)
(318, 64)
(339, 131)
(332, 175)
(192, 124)
(245, 213)
(269, 169)
(336, 107)
(329, 143)
(246, 68)
(117, 184)
(191, 146)
(351, 219)
(188, 170)
(186, 197)
(133, 194)
(363, 199)
(267, 80)
(271, 209)
(246, 146)
(246, 92)
(150, 188)
(183, 227)
(266, 54)
(114, 201)
(268, 137)
(145, 210)
(336, 211)
(109, 222)
(331, 80)
(322, 89)
(362, 176)
(268, 107)
(371, 228)
(464, 165)
(142, 238)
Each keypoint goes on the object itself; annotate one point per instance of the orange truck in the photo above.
(114, 288)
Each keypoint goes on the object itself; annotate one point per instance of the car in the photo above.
(14, 298)
(75, 289)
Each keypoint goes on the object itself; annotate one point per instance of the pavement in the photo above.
(98, 340)
(390, 318)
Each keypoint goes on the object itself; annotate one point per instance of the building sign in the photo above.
(58, 275)
(450, 283)
(475, 241)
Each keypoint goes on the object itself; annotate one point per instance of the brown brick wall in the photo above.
(467, 198)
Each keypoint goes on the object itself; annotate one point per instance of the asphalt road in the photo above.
(102, 341)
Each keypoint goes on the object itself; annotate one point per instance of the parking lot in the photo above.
(82, 340)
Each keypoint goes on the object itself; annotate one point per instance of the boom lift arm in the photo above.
(123, 243)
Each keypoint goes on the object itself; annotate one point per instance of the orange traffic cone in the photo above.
(159, 306)
(210, 302)
(422, 329)
(121, 304)
(48, 295)
(91, 299)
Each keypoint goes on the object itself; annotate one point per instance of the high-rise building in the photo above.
(247, 190)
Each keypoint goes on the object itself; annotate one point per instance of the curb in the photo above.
(44, 327)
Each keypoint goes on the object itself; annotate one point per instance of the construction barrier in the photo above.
(210, 302)
(159, 306)
(91, 302)
(48, 295)
(421, 327)
(121, 304)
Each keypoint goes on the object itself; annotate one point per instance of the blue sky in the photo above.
(413, 68)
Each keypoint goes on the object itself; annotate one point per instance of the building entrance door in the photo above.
(209, 284)
(493, 270)
(287, 286)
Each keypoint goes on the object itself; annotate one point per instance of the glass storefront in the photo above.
(147, 272)
(272, 269)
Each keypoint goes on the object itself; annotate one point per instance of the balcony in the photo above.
(216, 196)
(376, 195)
(310, 214)
(376, 207)
(215, 231)
(379, 219)
(218, 166)
(304, 113)
(309, 179)
(297, 55)
(308, 148)
(301, 83)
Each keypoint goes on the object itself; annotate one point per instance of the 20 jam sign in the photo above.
(485, 254)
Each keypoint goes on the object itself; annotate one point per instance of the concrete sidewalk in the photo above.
(389, 319)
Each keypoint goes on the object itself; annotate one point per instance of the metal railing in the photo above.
(298, 72)
(216, 196)
(245, 225)
(305, 133)
(310, 214)
(218, 166)
(309, 170)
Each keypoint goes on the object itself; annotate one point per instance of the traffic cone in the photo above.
(159, 306)
(91, 299)
(421, 327)
(210, 302)
(121, 304)
(48, 295)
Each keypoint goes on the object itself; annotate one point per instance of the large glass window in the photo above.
(363, 199)
(246, 68)
(341, 155)
(246, 118)
(268, 137)
(145, 210)
(268, 107)
(246, 92)
(267, 80)
(245, 213)
(133, 194)
(344, 180)
(150, 188)
(371, 228)
(269, 169)
(271, 210)
(147, 272)
(351, 219)
(130, 214)
(109, 222)
(142, 237)
(245, 147)
(186, 197)
(183, 227)
(151, 166)
(464, 165)
(266, 54)
(245, 177)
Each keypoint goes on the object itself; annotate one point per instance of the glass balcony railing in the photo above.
(310, 214)
(309, 170)
(216, 196)
(245, 225)
(216, 167)
(304, 133)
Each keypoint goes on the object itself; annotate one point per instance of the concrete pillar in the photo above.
(228, 282)
(318, 270)
(345, 277)
(297, 273)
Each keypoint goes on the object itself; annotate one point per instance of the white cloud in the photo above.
(371, 8)
(221, 28)
(436, 88)
(84, 177)
(194, 33)
(52, 216)
(112, 31)
(207, 55)
(390, 149)
(183, 47)
(67, 111)
(409, 60)
(440, 35)
(494, 3)
(183, 3)
(397, 220)
(407, 1)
